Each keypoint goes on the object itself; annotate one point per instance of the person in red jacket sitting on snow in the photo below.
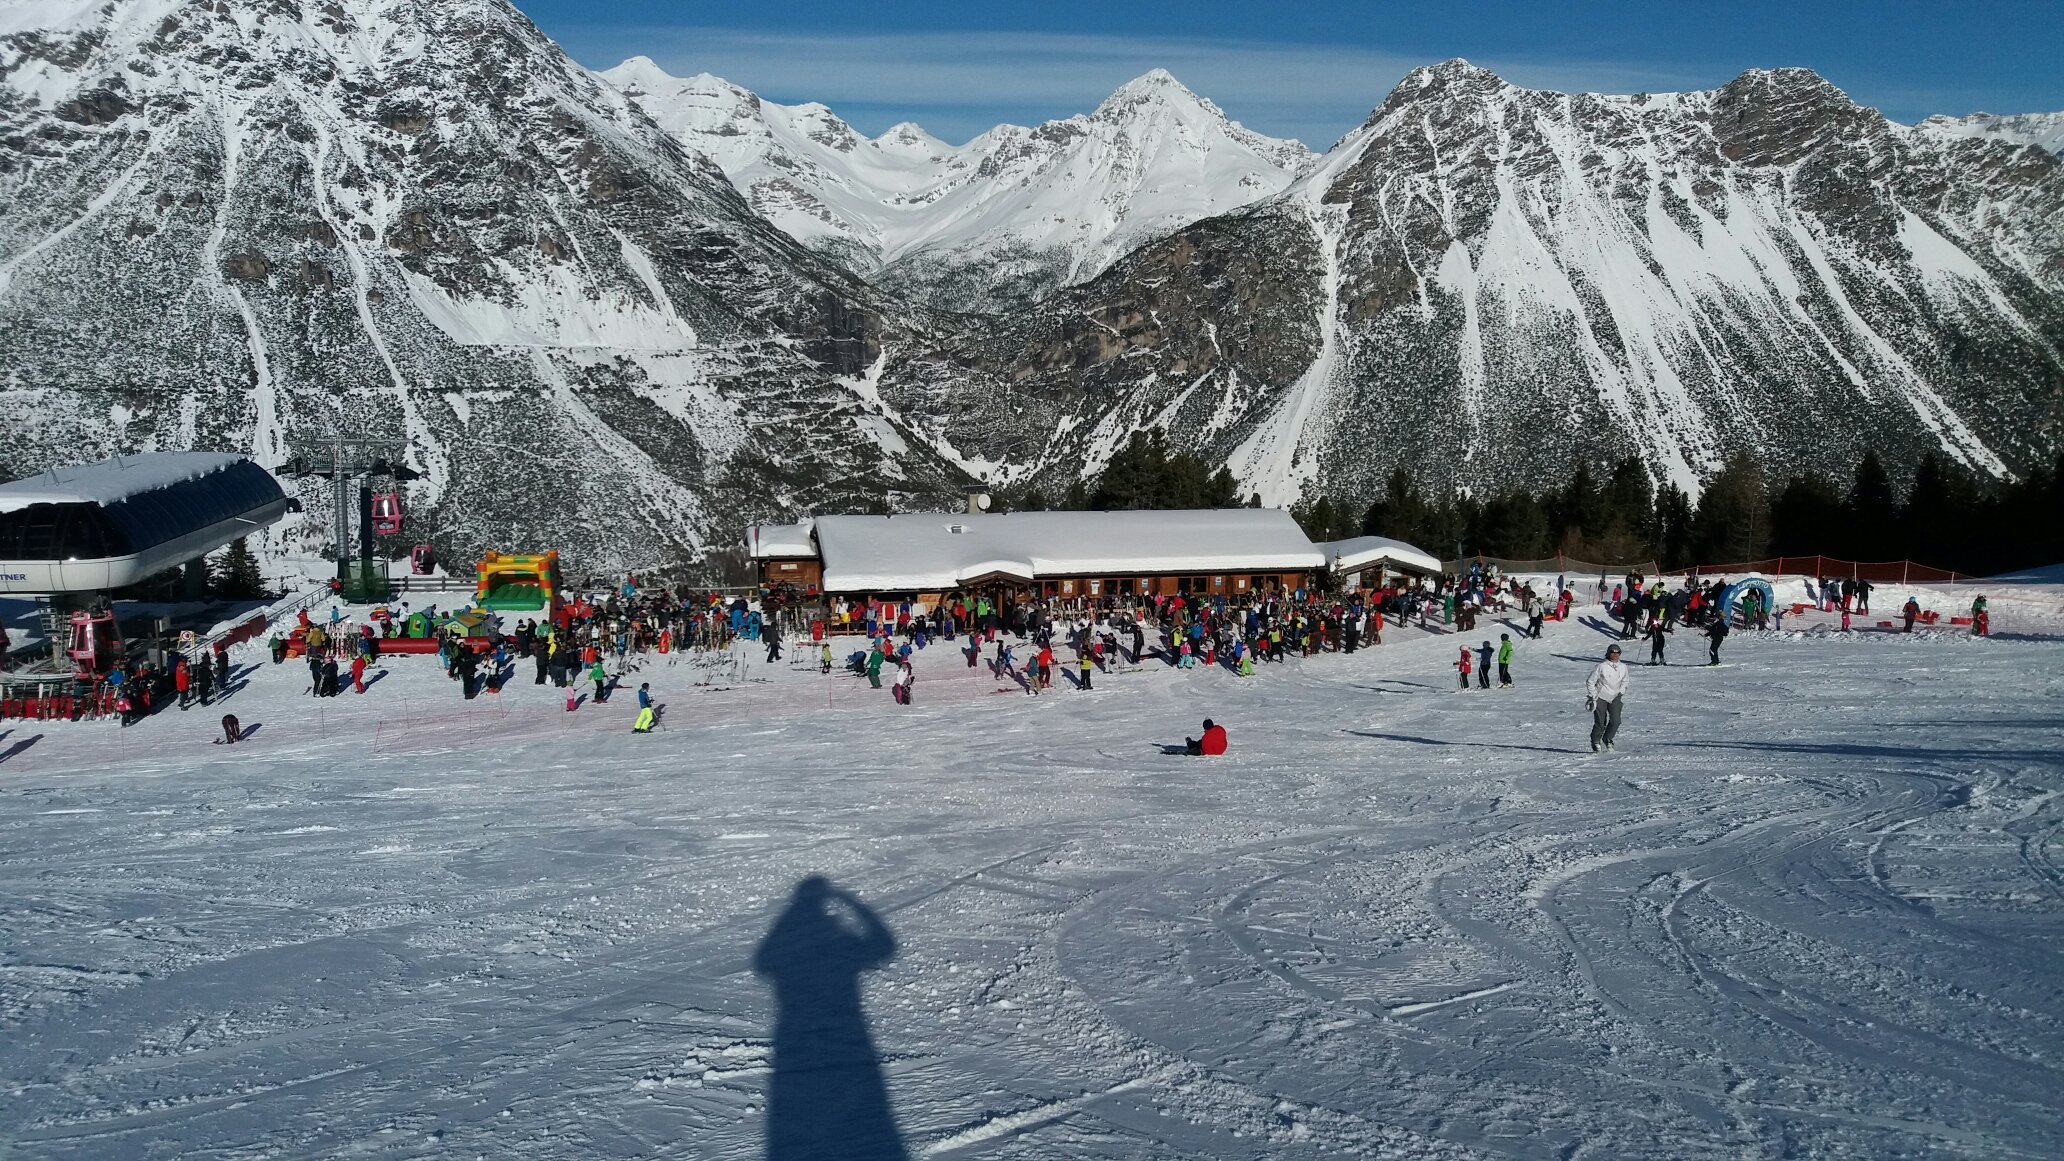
(1213, 741)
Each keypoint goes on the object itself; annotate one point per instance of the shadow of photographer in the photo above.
(828, 1097)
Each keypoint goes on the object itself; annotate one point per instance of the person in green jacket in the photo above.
(600, 677)
(1504, 661)
(874, 659)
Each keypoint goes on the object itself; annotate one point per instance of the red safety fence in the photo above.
(1877, 572)
(29, 704)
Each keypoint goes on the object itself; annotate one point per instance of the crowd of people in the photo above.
(1238, 632)
(1023, 637)
(185, 680)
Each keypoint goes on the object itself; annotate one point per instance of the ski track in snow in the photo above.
(1813, 907)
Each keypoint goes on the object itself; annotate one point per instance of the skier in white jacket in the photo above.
(1605, 694)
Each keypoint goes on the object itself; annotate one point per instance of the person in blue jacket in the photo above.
(648, 713)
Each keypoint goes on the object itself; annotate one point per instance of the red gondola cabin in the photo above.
(387, 513)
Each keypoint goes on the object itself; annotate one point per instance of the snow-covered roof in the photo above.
(112, 480)
(781, 541)
(1359, 552)
(937, 551)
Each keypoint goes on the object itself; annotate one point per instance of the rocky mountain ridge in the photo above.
(993, 224)
(255, 224)
(1486, 282)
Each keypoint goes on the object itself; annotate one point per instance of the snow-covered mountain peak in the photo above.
(1155, 102)
(911, 140)
(244, 223)
(1454, 70)
(2045, 131)
(1013, 213)
(1152, 85)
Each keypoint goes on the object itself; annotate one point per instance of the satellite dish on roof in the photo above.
(983, 501)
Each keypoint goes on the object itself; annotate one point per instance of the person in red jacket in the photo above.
(182, 680)
(358, 673)
(1213, 741)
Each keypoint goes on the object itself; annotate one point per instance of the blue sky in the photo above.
(1313, 70)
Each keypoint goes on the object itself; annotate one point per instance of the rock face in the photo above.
(2043, 130)
(251, 224)
(991, 225)
(1486, 283)
(256, 224)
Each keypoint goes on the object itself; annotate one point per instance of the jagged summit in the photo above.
(1449, 71)
(2044, 131)
(1154, 84)
(245, 223)
(1010, 215)
(1483, 278)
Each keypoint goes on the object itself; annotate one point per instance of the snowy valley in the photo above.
(1812, 907)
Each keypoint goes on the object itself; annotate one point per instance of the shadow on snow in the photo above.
(828, 1097)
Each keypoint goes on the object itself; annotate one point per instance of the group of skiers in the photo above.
(1181, 630)
(185, 681)
(1480, 663)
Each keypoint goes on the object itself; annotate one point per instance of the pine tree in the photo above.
(1871, 514)
(1402, 512)
(1804, 517)
(1673, 516)
(236, 574)
(1630, 509)
(1732, 523)
(1941, 515)
(1582, 511)
(1513, 526)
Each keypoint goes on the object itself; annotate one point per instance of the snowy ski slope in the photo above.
(1813, 907)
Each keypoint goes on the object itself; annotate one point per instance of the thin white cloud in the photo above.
(959, 83)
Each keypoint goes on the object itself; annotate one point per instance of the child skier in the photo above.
(1504, 661)
(1462, 666)
(1483, 666)
(647, 712)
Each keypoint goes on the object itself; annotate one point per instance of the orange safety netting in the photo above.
(1877, 572)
